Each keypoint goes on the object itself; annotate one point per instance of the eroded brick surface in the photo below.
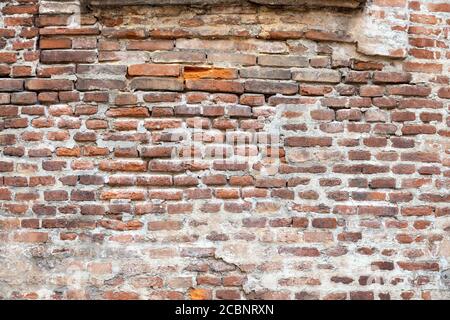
(224, 152)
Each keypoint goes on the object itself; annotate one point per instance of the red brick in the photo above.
(154, 70)
(128, 112)
(308, 142)
(418, 129)
(31, 237)
(149, 45)
(215, 85)
(407, 90)
(327, 36)
(69, 56)
(94, 121)
(253, 100)
(164, 225)
(209, 73)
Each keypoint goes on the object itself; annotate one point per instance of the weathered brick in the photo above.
(232, 58)
(372, 91)
(414, 103)
(179, 57)
(271, 87)
(154, 70)
(128, 112)
(31, 237)
(60, 43)
(133, 166)
(124, 33)
(10, 85)
(157, 84)
(407, 90)
(150, 45)
(48, 85)
(192, 143)
(69, 56)
(190, 72)
(99, 84)
(321, 35)
(103, 69)
(308, 141)
(265, 73)
(215, 85)
(391, 77)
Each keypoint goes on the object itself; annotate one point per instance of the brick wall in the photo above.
(224, 151)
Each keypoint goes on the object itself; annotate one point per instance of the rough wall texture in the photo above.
(224, 152)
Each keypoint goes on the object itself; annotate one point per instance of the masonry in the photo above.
(224, 149)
